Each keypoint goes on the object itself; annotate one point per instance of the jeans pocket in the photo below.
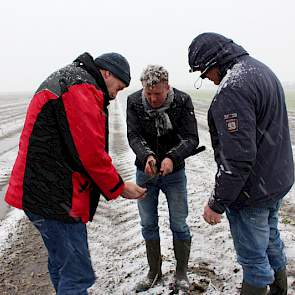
(253, 229)
(36, 219)
(255, 216)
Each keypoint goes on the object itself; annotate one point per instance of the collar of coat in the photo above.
(86, 62)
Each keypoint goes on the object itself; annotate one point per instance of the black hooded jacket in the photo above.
(248, 125)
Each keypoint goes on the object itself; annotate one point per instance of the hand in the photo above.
(150, 162)
(133, 191)
(166, 166)
(210, 216)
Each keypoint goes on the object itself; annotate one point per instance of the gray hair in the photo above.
(153, 74)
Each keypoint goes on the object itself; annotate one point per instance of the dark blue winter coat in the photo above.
(249, 130)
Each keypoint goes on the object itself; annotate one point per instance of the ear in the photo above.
(105, 74)
(108, 74)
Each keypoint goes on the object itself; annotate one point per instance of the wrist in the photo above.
(123, 194)
(171, 158)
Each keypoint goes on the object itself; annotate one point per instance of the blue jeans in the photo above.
(69, 261)
(257, 241)
(174, 187)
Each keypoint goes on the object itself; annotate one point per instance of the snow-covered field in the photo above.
(117, 248)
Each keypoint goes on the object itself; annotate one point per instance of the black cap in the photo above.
(116, 64)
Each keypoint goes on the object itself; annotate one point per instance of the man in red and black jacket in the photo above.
(63, 164)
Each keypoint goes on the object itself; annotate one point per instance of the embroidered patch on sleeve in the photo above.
(231, 122)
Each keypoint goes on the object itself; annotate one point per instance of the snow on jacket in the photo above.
(177, 144)
(249, 130)
(63, 163)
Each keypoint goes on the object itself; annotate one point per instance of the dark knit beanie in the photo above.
(116, 64)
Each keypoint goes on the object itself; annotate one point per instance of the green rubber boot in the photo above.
(280, 284)
(153, 253)
(251, 290)
(182, 251)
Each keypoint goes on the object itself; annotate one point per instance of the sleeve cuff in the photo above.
(117, 190)
(215, 206)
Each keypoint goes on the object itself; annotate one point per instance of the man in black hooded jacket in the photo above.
(249, 131)
(162, 131)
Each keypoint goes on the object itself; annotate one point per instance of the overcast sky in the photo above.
(37, 37)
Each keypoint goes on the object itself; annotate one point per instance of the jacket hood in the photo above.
(209, 49)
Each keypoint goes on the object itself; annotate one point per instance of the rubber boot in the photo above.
(154, 259)
(280, 285)
(182, 251)
(251, 290)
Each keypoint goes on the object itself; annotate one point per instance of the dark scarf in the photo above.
(162, 120)
(86, 62)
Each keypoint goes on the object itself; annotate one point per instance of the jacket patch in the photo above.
(231, 122)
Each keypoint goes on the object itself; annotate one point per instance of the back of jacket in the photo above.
(177, 144)
(249, 130)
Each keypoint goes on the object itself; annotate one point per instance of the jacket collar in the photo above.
(86, 62)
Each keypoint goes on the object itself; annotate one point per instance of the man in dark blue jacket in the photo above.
(249, 131)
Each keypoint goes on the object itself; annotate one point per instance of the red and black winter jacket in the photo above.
(63, 164)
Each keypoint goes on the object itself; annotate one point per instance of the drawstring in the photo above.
(200, 84)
